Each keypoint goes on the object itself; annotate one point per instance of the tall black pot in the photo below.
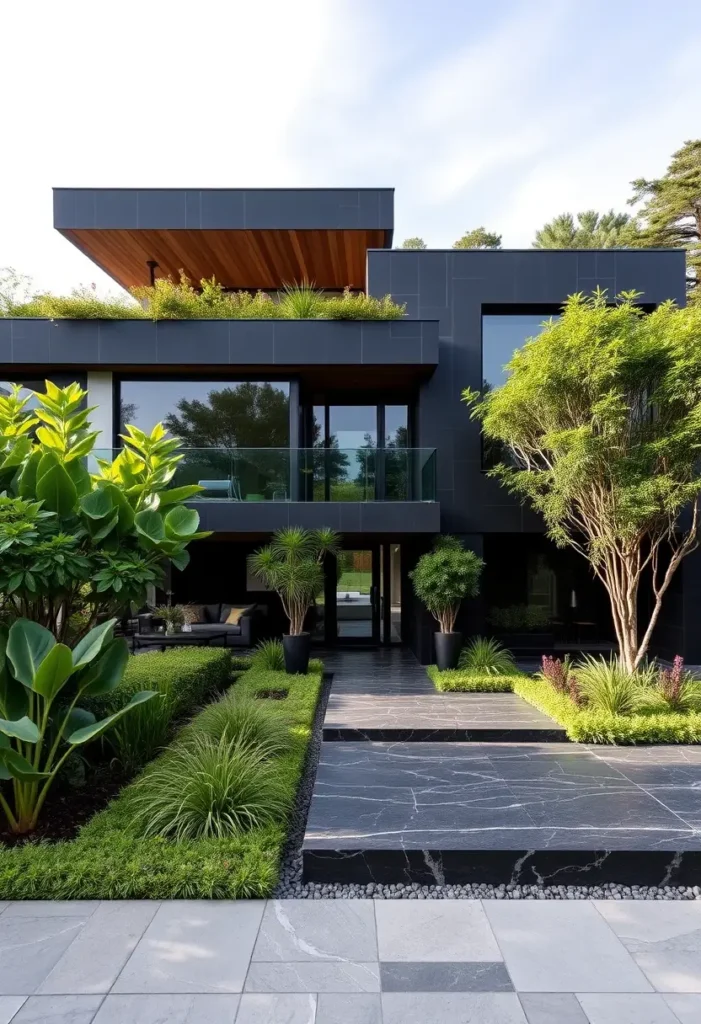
(448, 647)
(296, 650)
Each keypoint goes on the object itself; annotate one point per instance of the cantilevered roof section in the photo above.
(246, 238)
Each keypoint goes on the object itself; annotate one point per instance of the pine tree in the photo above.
(478, 238)
(592, 230)
(671, 215)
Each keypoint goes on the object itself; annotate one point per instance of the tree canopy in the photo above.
(590, 230)
(601, 419)
(671, 215)
(478, 238)
(413, 243)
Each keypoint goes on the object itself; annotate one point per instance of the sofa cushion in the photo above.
(220, 627)
(231, 614)
(194, 613)
(212, 613)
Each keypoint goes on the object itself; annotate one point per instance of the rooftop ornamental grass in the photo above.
(170, 300)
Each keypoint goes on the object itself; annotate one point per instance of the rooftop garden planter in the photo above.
(168, 300)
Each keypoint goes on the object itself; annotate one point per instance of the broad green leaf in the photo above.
(92, 643)
(80, 476)
(177, 494)
(106, 528)
(150, 525)
(28, 644)
(13, 696)
(78, 718)
(82, 447)
(54, 672)
(91, 732)
(18, 767)
(106, 671)
(22, 729)
(98, 504)
(55, 487)
(181, 522)
(126, 512)
(28, 477)
(180, 559)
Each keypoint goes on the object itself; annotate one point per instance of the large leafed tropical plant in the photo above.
(41, 686)
(79, 533)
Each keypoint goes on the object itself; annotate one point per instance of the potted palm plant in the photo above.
(292, 566)
(443, 577)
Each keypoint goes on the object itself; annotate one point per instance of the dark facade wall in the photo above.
(452, 287)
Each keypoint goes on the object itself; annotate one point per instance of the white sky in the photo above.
(502, 114)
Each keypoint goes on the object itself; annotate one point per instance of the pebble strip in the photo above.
(290, 885)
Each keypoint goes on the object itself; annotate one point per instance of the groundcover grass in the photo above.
(109, 859)
(581, 724)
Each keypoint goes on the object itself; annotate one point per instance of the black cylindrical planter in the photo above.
(448, 647)
(296, 650)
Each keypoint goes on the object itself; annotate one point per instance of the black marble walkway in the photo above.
(463, 812)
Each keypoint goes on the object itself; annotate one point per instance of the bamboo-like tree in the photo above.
(590, 230)
(601, 421)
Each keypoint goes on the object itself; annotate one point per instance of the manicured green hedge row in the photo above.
(109, 860)
(585, 726)
(462, 681)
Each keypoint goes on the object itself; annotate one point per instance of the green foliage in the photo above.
(607, 685)
(172, 614)
(37, 734)
(72, 541)
(515, 618)
(584, 725)
(601, 417)
(170, 300)
(269, 656)
(478, 238)
(485, 656)
(671, 215)
(592, 230)
(413, 243)
(292, 566)
(182, 678)
(463, 680)
(208, 789)
(261, 724)
(445, 576)
(110, 860)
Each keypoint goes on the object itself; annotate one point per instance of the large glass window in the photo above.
(501, 336)
(211, 414)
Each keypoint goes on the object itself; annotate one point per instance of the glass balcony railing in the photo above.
(305, 474)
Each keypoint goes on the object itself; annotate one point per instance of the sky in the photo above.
(501, 113)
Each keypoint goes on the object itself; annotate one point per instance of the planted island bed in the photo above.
(113, 856)
(582, 724)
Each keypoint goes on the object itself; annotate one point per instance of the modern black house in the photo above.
(356, 425)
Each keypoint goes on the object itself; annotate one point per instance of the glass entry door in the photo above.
(357, 596)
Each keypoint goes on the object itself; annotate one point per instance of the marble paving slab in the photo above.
(486, 717)
(442, 812)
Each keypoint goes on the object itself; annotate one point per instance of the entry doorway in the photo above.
(363, 597)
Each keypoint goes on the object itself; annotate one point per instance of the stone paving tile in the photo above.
(628, 1008)
(686, 1007)
(277, 1009)
(348, 1009)
(168, 1009)
(51, 908)
(452, 1008)
(448, 977)
(194, 946)
(92, 962)
(56, 1009)
(552, 1008)
(30, 947)
(562, 946)
(9, 1005)
(664, 939)
(294, 930)
(348, 976)
(415, 930)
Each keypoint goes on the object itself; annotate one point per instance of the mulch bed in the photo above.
(271, 694)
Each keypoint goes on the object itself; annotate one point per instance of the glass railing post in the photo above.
(293, 473)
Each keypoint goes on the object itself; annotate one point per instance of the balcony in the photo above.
(361, 490)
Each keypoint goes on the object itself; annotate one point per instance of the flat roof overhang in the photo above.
(246, 238)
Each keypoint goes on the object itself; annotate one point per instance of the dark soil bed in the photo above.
(68, 808)
(271, 694)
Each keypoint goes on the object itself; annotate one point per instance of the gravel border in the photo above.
(291, 886)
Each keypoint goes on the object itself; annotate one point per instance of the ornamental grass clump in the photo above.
(209, 789)
(269, 656)
(608, 685)
(242, 719)
(485, 656)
